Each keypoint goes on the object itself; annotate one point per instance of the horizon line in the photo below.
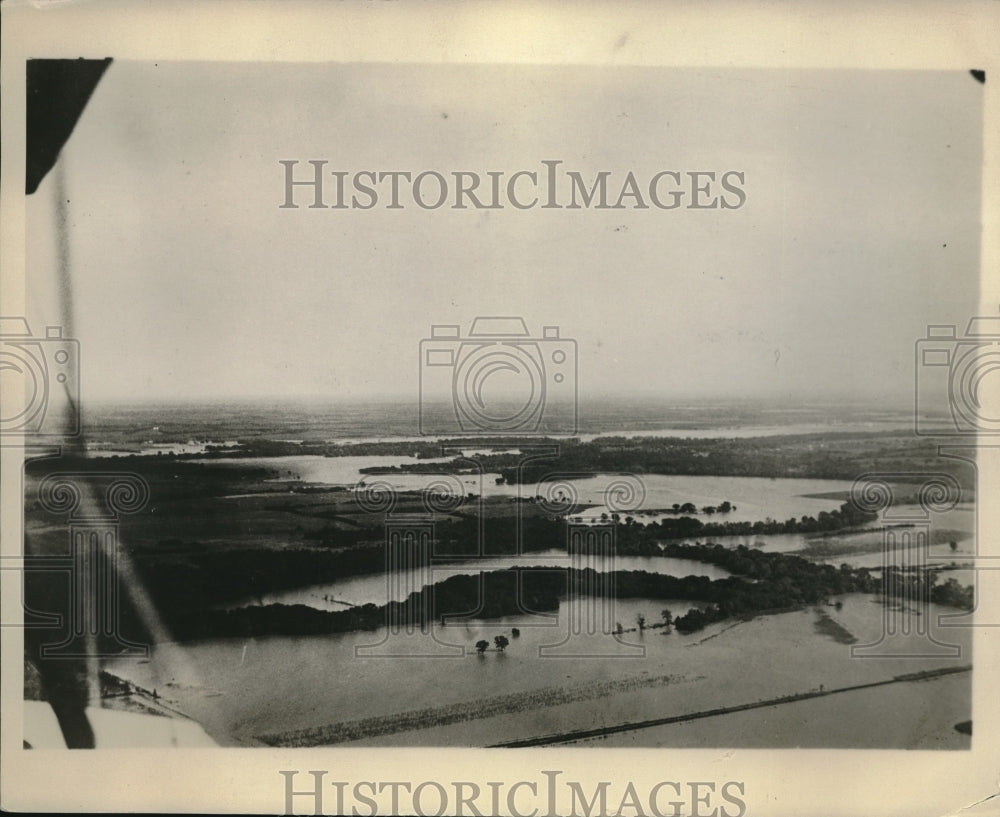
(814, 400)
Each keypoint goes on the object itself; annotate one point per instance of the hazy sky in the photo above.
(861, 225)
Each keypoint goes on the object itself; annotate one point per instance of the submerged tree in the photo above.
(501, 642)
(482, 645)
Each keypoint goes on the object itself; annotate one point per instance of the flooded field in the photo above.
(375, 589)
(607, 670)
(755, 498)
(240, 690)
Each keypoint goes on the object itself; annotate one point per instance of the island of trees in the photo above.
(201, 547)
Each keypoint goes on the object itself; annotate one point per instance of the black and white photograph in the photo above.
(511, 409)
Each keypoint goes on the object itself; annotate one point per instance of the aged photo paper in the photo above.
(500, 409)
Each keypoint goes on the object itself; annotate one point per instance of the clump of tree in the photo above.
(698, 619)
(761, 583)
(668, 619)
(952, 594)
(794, 456)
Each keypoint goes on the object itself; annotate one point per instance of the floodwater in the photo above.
(376, 589)
(241, 689)
(755, 498)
